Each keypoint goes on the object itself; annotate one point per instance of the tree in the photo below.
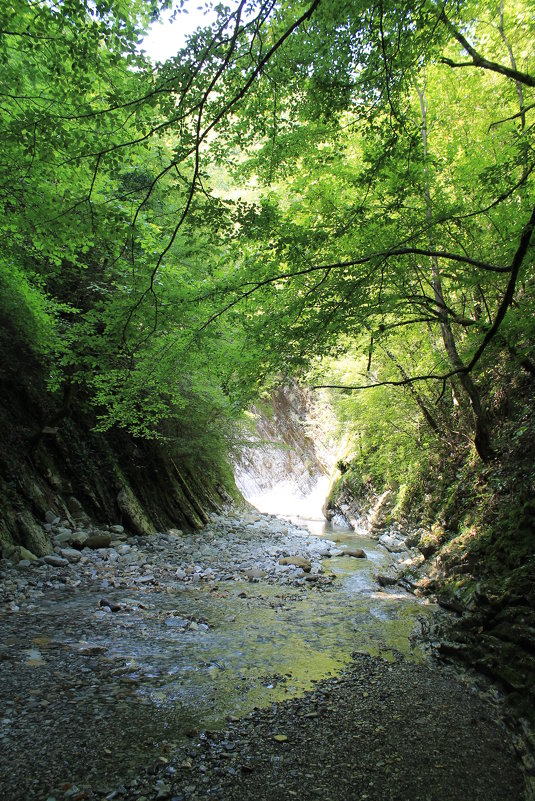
(138, 257)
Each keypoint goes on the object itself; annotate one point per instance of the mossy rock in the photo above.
(16, 553)
(134, 518)
(31, 535)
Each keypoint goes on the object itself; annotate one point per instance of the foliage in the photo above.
(337, 187)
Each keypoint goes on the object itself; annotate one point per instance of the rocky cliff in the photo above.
(286, 458)
(69, 471)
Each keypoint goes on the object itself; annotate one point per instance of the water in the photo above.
(134, 684)
(264, 643)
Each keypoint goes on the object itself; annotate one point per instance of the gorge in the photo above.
(267, 401)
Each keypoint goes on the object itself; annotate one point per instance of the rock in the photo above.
(392, 543)
(431, 541)
(112, 606)
(99, 539)
(133, 514)
(55, 561)
(117, 529)
(17, 553)
(52, 518)
(385, 580)
(280, 738)
(297, 561)
(356, 553)
(413, 538)
(63, 538)
(71, 554)
(32, 535)
(91, 650)
(255, 573)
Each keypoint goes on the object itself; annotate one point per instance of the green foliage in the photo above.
(312, 187)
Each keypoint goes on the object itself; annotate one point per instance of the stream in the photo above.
(109, 663)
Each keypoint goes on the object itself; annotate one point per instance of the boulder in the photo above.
(255, 573)
(357, 553)
(55, 561)
(32, 536)
(386, 580)
(296, 561)
(17, 553)
(99, 539)
(76, 510)
(71, 554)
(392, 543)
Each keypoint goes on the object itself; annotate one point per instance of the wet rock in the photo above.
(55, 561)
(357, 553)
(111, 605)
(297, 561)
(97, 540)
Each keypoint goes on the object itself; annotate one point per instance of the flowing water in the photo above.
(264, 642)
(182, 656)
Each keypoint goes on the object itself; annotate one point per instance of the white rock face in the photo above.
(285, 468)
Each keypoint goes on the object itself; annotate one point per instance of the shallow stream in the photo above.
(264, 642)
(180, 657)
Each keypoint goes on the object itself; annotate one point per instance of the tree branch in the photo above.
(507, 299)
(480, 61)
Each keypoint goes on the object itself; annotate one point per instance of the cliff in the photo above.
(70, 471)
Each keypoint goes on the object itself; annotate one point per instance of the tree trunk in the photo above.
(482, 435)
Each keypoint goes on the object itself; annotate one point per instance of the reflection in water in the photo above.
(259, 642)
(265, 642)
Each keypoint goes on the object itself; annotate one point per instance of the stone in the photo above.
(255, 573)
(356, 553)
(117, 529)
(71, 554)
(51, 518)
(297, 561)
(280, 738)
(32, 535)
(100, 539)
(63, 538)
(112, 606)
(55, 561)
(392, 544)
(134, 516)
(17, 553)
(384, 580)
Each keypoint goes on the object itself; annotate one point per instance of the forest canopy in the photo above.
(338, 190)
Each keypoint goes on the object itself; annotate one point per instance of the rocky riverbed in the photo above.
(222, 664)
